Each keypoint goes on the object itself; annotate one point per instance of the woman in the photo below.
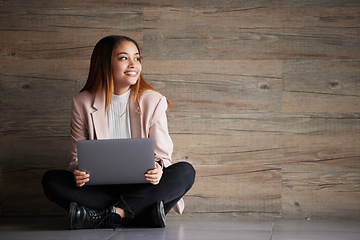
(116, 102)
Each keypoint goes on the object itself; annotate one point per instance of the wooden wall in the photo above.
(266, 97)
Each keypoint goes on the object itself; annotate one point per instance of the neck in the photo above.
(121, 91)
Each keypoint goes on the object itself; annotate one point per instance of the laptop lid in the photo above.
(116, 161)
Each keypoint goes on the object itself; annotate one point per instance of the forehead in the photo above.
(126, 47)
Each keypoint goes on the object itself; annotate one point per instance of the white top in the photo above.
(118, 116)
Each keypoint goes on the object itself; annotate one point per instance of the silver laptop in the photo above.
(116, 161)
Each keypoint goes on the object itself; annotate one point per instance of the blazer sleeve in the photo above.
(78, 132)
(163, 144)
(158, 130)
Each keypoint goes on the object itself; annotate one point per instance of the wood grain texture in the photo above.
(265, 97)
(321, 86)
(313, 190)
(63, 33)
(24, 195)
(46, 84)
(264, 138)
(220, 87)
(35, 108)
(245, 33)
(250, 189)
(171, 3)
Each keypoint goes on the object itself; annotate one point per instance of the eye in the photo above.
(138, 59)
(122, 58)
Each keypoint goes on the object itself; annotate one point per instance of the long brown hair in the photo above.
(100, 76)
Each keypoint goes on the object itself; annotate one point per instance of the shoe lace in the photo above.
(102, 219)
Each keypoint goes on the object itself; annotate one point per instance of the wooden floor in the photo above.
(179, 228)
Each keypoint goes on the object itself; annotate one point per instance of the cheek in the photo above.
(116, 69)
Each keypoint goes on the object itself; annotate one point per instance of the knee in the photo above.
(51, 178)
(46, 182)
(188, 171)
(48, 179)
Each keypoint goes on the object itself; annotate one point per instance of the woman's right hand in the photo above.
(81, 177)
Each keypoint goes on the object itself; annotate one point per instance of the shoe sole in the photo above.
(161, 214)
(72, 211)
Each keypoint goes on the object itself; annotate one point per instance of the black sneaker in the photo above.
(81, 217)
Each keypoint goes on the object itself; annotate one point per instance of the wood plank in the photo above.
(63, 33)
(303, 102)
(220, 87)
(297, 142)
(22, 192)
(236, 189)
(40, 85)
(325, 189)
(321, 86)
(27, 149)
(243, 33)
(263, 138)
(35, 109)
(184, 3)
(212, 149)
(335, 77)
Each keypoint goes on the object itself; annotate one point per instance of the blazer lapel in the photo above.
(135, 118)
(99, 117)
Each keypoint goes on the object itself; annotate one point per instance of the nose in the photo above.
(132, 63)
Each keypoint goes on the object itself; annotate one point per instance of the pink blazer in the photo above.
(89, 122)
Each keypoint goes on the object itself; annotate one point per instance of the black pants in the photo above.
(59, 186)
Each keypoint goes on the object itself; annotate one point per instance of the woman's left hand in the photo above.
(154, 175)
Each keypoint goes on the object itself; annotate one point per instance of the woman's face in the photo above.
(126, 66)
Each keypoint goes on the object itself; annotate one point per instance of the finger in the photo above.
(151, 177)
(156, 175)
(150, 174)
(153, 181)
(156, 169)
(81, 180)
(82, 176)
(152, 171)
(81, 183)
(82, 173)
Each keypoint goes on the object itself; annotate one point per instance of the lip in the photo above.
(131, 73)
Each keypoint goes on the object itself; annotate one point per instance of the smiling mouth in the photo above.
(132, 74)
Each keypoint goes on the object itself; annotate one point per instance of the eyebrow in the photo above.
(126, 53)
